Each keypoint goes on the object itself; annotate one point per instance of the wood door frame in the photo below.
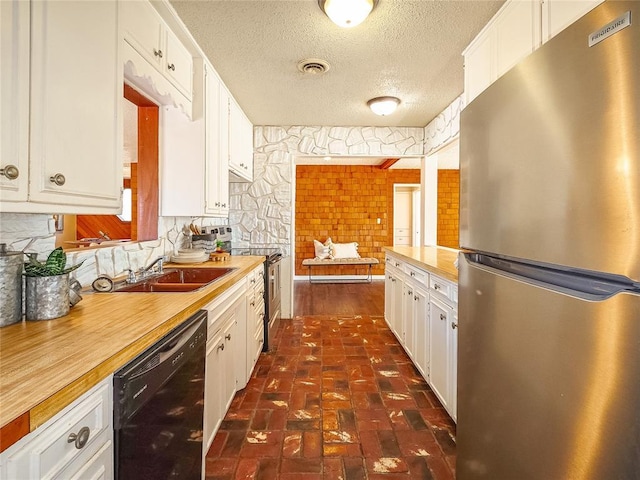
(145, 190)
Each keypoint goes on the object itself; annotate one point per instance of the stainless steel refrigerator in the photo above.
(549, 326)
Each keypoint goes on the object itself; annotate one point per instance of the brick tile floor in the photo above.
(337, 399)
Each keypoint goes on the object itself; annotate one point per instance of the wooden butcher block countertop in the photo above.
(46, 365)
(439, 260)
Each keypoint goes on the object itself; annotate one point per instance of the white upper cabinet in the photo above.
(182, 164)
(14, 101)
(142, 28)
(518, 29)
(217, 145)
(194, 179)
(517, 33)
(240, 144)
(512, 34)
(479, 66)
(559, 14)
(179, 64)
(153, 53)
(74, 108)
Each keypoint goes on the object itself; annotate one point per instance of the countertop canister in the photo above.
(10, 286)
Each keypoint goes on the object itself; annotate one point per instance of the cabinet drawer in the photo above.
(98, 467)
(442, 288)
(417, 275)
(218, 306)
(54, 449)
(394, 262)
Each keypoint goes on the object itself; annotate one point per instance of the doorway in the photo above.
(406, 215)
(141, 119)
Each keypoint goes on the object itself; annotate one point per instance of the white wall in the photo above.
(442, 131)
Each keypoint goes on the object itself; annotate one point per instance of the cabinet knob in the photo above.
(443, 316)
(10, 171)
(224, 205)
(436, 286)
(171, 66)
(58, 179)
(454, 325)
(220, 347)
(217, 204)
(81, 438)
(412, 274)
(410, 293)
(227, 336)
(157, 53)
(416, 298)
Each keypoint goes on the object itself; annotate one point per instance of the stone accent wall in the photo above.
(344, 203)
(448, 208)
(444, 128)
(261, 212)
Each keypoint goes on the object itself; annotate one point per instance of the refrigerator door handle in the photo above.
(583, 284)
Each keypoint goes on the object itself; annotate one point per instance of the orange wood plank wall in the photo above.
(448, 208)
(344, 202)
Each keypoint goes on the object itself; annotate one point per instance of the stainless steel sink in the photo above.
(178, 280)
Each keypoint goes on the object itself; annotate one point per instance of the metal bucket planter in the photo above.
(10, 286)
(47, 297)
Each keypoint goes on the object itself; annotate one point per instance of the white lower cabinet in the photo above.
(443, 349)
(255, 317)
(234, 343)
(225, 366)
(76, 443)
(421, 310)
(408, 319)
(440, 350)
(393, 298)
(420, 346)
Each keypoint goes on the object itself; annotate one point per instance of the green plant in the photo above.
(219, 243)
(54, 265)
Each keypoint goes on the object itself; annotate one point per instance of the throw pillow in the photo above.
(323, 250)
(345, 250)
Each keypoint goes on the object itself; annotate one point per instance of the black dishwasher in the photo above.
(158, 407)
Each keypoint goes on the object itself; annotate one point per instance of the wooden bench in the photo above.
(330, 262)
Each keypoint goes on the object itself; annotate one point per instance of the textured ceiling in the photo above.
(406, 48)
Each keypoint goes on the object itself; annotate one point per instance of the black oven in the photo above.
(272, 289)
(159, 406)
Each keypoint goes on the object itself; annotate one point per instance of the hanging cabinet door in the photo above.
(14, 101)
(76, 87)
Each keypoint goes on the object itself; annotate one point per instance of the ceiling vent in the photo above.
(313, 66)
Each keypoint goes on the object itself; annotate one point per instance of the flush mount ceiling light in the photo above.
(383, 105)
(347, 13)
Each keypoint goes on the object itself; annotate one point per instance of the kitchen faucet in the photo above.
(146, 271)
(158, 261)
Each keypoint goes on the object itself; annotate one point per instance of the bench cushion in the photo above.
(311, 262)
